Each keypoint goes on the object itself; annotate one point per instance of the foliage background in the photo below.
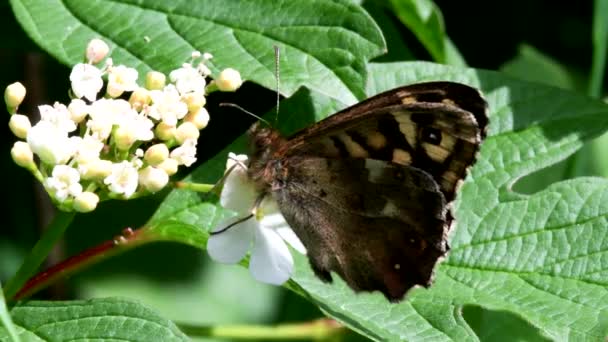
(543, 41)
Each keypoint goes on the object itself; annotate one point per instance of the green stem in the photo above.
(197, 187)
(7, 322)
(41, 250)
(317, 330)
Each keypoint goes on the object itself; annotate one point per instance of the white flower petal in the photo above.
(239, 192)
(270, 261)
(231, 246)
(292, 239)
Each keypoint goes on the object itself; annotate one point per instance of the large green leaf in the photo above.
(542, 256)
(110, 319)
(325, 52)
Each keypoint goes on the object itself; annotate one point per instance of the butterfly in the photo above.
(368, 190)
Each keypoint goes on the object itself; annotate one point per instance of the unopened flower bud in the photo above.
(140, 98)
(199, 118)
(229, 80)
(194, 100)
(124, 137)
(153, 179)
(155, 80)
(22, 154)
(169, 165)
(156, 154)
(96, 169)
(86, 202)
(186, 131)
(97, 50)
(78, 110)
(14, 95)
(164, 131)
(19, 125)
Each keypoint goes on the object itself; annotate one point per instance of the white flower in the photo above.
(186, 153)
(88, 148)
(187, 79)
(86, 81)
(229, 80)
(123, 179)
(121, 79)
(104, 114)
(19, 125)
(97, 169)
(58, 115)
(140, 126)
(167, 105)
(97, 50)
(271, 262)
(153, 179)
(86, 202)
(186, 131)
(50, 143)
(78, 110)
(14, 94)
(64, 182)
(22, 154)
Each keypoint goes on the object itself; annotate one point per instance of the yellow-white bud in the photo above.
(169, 165)
(156, 154)
(86, 201)
(155, 80)
(194, 100)
(229, 80)
(124, 137)
(14, 95)
(140, 98)
(22, 154)
(78, 110)
(96, 169)
(19, 125)
(199, 118)
(97, 50)
(153, 179)
(164, 131)
(186, 131)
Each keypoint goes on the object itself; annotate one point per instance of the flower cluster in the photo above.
(262, 229)
(120, 143)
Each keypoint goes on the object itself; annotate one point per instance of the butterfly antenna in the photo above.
(232, 225)
(226, 104)
(277, 55)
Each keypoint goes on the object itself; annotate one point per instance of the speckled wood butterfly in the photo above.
(368, 190)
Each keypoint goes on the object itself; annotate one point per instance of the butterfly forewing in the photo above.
(367, 189)
(436, 127)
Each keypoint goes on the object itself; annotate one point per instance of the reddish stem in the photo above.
(127, 240)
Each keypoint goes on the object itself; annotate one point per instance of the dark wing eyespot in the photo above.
(430, 135)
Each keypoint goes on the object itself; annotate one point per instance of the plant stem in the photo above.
(317, 330)
(41, 250)
(128, 240)
(197, 187)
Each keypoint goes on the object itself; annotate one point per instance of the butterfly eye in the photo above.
(431, 135)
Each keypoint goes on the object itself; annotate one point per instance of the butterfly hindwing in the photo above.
(379, 225)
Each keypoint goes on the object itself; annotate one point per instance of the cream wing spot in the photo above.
(406, 126)
(354, 149)
(401, 157)
(376, 140)
(436, 153)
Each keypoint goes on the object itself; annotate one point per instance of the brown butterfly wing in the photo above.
(436, 127)
(379, 225)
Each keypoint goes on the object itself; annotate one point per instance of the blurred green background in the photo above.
(542, 41)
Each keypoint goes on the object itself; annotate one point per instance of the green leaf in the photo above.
(325, 52)
(97, 319)
(7, 327)
(600, 46)
(425, 21)
(541, 256)
(532, 65)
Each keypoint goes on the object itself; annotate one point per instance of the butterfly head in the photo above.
(266, 143)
